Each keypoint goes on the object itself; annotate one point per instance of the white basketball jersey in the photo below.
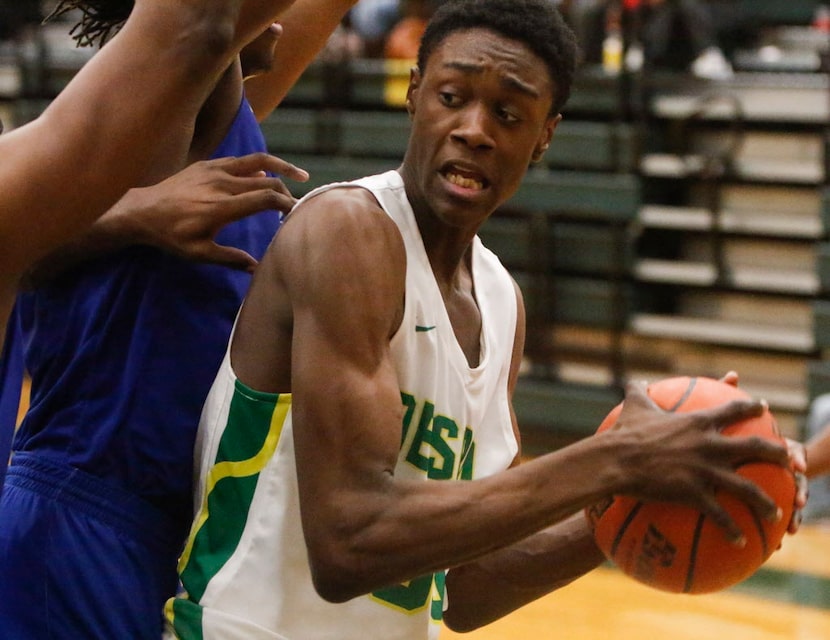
(245, 568)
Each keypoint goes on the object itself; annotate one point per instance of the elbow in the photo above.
(468, 607)
(348, 545)
(459, 624)
(338, 574)
(464, 619)
(216, 39)
(333, 586)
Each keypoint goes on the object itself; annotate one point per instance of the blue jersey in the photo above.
(122, 352)
(11, 381)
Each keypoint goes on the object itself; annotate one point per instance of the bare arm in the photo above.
(500, 582)
(363, 525)
(101, 135)
(484, 591)
(161, 217)
(307, 26)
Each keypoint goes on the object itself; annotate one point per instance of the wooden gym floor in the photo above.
(787, 599)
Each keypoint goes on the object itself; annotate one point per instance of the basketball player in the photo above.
(122, 349)
(358, 455)
(62, 171)
(102, 134)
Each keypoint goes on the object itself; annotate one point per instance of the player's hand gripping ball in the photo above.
(676, 548)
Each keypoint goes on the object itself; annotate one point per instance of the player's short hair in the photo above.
(536, 23)
(100, 19)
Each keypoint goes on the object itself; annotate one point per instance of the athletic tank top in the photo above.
(122, 352)
(245, 568)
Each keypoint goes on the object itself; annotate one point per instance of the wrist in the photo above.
(121, 226)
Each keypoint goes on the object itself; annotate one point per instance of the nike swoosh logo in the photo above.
(420, 328)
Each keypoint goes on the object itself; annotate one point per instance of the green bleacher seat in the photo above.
(589, 302)
(770, 12)
(562, 407)
(593, 195)
(296, 130)
(588, 248)
(821, 323)
(378, 134)
(513, 239)
(818, 378)
(600, 146)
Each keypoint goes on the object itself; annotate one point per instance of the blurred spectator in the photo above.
(405, 36)
(398, 23)
(587, 19)
(372, 20)
(677, 34)
(671, 34)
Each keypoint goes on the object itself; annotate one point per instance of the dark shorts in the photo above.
(80, 558)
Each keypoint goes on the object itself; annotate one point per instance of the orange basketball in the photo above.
(676, 548)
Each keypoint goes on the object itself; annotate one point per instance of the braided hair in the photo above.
(100, 20)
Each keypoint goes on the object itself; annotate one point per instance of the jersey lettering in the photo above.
(431, 449)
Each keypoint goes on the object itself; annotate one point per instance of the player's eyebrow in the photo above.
(508, 79)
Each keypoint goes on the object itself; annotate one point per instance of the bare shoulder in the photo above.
(334, 249)
(339, 205)
(343, 228)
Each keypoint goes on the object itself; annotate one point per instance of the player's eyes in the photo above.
(507, 116)
(448, 98)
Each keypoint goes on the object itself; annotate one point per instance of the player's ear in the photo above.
(543, 144)
(412, 89)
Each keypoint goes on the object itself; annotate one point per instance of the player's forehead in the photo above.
(476, 51)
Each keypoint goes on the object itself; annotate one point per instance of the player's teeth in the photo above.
(461, 181)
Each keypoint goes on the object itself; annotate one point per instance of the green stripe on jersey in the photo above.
(186, 617)
(248, 442)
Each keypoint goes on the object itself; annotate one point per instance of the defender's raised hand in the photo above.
(183, 214)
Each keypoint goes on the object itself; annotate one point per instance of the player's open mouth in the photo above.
(464, 179)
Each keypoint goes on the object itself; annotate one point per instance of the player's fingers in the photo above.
(227, 257)
(254, 162)
(801, 495)
(636, 395)
(798, 455)
(730, 378)
(750, 494)
(251, 202)
(711, 508)
(636, 400)
(733, 411)
(798, 461)
(236, 185)
(746, 450)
